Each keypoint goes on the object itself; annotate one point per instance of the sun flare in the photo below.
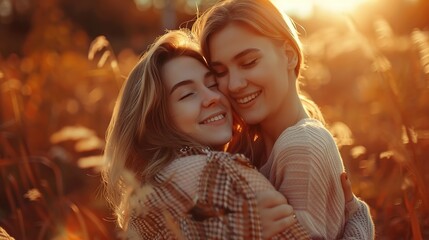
(304, 8)
(339, 5)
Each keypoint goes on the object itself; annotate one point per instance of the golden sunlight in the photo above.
(304, 8)
(339, 5)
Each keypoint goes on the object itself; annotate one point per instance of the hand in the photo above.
(275, 213)
(347, 187)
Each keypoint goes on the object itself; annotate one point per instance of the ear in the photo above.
(291, 54)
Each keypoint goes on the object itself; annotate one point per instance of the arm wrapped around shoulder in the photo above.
(218, 202)
(359, 225)
(226, 205)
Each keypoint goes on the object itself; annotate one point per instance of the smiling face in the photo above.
(196, 106)
(253, 71)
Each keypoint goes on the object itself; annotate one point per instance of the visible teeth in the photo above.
(215, 118)
(248, 98)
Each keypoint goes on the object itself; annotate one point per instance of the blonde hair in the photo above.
(265, 19)
(141, 139)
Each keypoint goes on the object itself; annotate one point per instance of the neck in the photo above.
(287, 116)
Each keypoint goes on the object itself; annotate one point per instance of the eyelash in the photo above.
(245, 65)
(187, 95)
(251, 63)
(214, 85)
(220, 74)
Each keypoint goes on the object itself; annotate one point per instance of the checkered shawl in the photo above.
(224, 206)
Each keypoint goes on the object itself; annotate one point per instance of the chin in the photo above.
(253, 117)
(220, 140)
(214, 137)
(252, 120)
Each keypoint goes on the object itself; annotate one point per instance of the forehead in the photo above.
(234, 38)
(182, 68)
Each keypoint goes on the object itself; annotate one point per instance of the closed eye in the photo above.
(251, 63)
(220, 74)
(214, 85)
(219, 70)
(185, 96)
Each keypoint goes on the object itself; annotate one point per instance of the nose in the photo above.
(236, 81)
(210, 97)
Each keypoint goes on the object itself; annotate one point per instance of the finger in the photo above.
(279, 226)
(347, 187)
(276, 213)
(270, 198)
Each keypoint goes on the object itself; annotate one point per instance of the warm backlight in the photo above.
(304, 8)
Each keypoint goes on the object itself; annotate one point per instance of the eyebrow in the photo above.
(188, 81)
(239, 55)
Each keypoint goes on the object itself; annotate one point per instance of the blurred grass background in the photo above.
(62, 63)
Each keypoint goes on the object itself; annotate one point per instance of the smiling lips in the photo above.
(248, 98)
(214, 118)
(243, 100)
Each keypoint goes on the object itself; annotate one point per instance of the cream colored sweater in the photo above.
(305, 166)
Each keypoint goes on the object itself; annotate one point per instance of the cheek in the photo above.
(225, 102)
(181, 122)
(263, 71)
(178, 117)
(175, 119)
(223, 86)
(186, 115)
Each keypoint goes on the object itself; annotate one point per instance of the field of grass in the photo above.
(57, 97)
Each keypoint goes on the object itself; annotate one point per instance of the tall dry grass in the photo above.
(373, 89)
(55, 107)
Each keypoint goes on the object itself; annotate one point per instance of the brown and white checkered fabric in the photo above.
(225, 207)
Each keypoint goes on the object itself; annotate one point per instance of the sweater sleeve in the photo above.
(359, 225)
(306, 169)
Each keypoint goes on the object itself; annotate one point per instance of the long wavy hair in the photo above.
(141, 139)
(265, 19)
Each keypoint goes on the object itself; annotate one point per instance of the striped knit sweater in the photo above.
(305, 166)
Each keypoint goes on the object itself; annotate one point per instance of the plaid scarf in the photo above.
(225, 206)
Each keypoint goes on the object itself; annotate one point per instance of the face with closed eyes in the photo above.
(196, 106)
(253, 71)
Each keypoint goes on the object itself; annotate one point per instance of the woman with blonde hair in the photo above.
(256, 54)
(163, 176)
